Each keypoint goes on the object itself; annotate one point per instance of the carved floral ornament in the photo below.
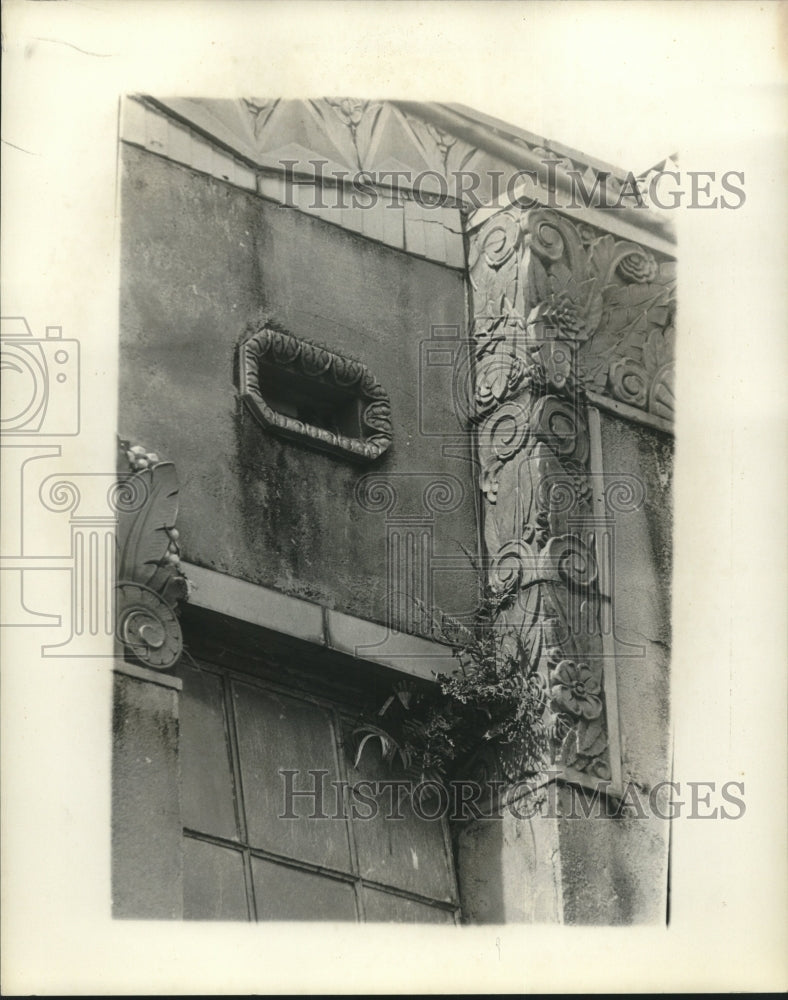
(317, 364)
(559, 309)
(612, 299)
(150, 580)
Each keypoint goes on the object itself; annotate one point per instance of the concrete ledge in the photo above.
(258, 605)
(357, 637)
(630, 412)
(369, 641)
(146, 674)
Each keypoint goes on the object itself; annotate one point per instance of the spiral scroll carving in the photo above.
(147, 626)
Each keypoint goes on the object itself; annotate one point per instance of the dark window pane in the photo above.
(380, 906)
(205, 759)
(409, 853)
(213, 882)
(289, 894)
(275, 732)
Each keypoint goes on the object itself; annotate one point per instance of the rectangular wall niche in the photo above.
(305, 392)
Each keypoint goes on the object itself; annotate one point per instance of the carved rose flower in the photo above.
(639, 267)
(575, 690)
(562, 313)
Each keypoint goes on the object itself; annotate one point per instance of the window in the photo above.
(305, 392)
(243, 862)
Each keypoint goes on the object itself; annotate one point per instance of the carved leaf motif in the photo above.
(604, 256)
(498, 286)
(314, 360)
(259, 111)
(534, 280)
(429, 141)
(347, 372)
(143, 538)
(378, 417)
(569, 748)
(658, 350)
(284, 348)
(340, 117)
(631, 313)
(591, 739)
(389, 747)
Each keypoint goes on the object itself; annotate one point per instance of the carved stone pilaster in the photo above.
(559, 309)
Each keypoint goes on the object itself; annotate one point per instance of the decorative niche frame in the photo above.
(309, 394)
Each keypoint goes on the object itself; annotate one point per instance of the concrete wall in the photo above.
(200, 260)
(616, 870)
(509, 869)
(641, 610)
(147, 850)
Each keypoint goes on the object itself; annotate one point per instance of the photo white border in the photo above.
(616, 81)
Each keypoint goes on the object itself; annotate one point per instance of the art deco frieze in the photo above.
(612, 299)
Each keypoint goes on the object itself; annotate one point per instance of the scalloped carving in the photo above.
(269, 349)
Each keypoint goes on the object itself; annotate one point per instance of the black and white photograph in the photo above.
(393, 497)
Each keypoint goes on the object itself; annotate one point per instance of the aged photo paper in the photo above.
(393, 497)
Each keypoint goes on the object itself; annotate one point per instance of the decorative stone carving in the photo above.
(610, 298)
(150, 582)
(260, 112)
(558, 308)
(311, 362)
(575, 690)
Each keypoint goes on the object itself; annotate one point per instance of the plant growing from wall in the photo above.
(493, 702)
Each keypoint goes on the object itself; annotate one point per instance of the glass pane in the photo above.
(275, 732)
(289, 894)
(409, 853)
(213, 882)
(205, 758)
(380, 906)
